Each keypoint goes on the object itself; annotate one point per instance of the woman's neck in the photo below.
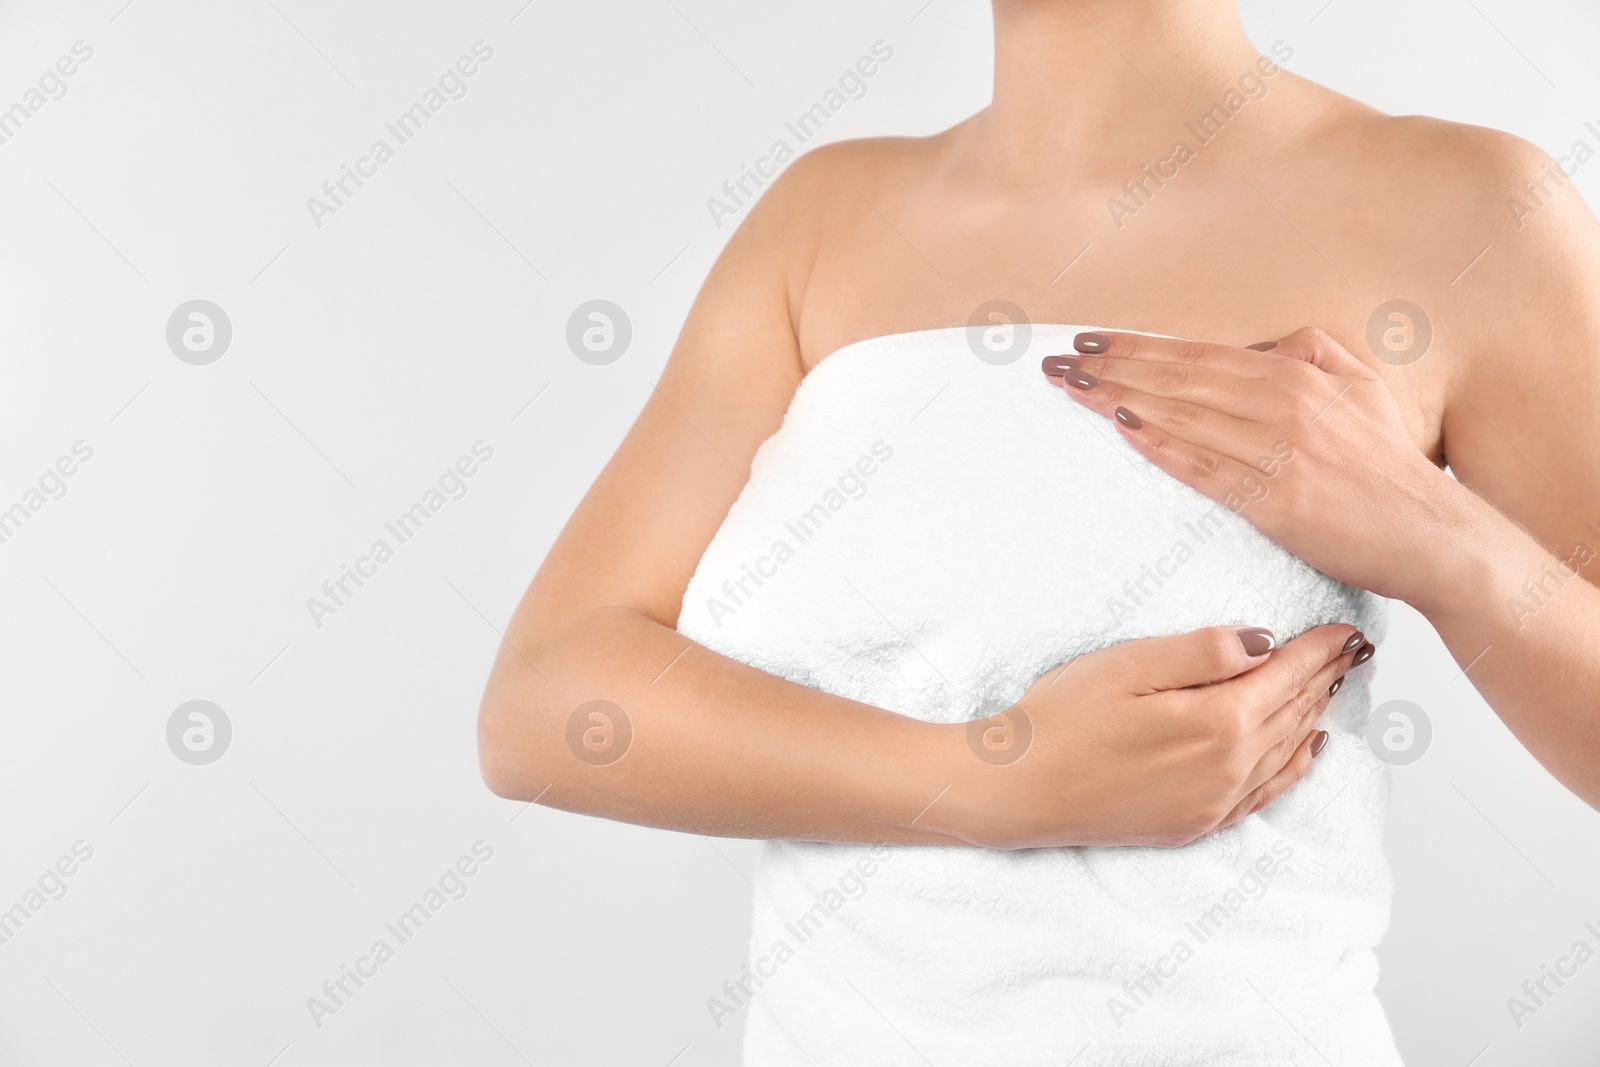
(1100, 78)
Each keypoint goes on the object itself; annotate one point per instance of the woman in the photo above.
(939, 891)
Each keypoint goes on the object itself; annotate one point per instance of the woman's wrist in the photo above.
(989, 793)
(1461, 563)
(965, 794)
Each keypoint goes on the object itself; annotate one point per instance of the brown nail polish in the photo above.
(1263, 346)
(1056, 366)
(1319, 741)
(1091, 342)
(1356, 640)
(1129, 419)
(1257, 641)
(1338, 683)
(1366, 652)
(1082, 379)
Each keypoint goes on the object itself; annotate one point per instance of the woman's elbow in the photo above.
(524, 717)
(509, 757)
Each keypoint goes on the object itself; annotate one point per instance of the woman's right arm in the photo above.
(716, 747)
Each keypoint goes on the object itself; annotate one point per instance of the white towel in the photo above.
(929, 532)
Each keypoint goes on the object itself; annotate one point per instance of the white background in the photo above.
(367, 355)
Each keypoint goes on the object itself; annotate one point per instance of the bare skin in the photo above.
(1307, 207)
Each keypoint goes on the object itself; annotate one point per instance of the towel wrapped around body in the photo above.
(928, 532)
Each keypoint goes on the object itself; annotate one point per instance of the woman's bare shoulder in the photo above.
(1426, 170)
(1488, 226)
(824, 196)
(816, 193)
(831, 174)
(1503, 253)
(1415, 167)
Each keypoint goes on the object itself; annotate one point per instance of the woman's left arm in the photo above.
(1307, 442)
(1514, 588)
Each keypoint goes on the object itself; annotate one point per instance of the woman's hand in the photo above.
(1299, 436)
(1152, 742)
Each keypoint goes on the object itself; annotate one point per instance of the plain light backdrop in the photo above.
(368, 354)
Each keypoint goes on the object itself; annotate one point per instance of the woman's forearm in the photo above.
(1152, 742)
(1525, 627)
(701, 743)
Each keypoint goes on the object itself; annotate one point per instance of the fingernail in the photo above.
(1081, 379)
(1056, 366)
(1257, 641)
(1256, 808)
(1367, 651)
(1091, 342)
(1319, 741)
(1355, 642)
(1129, 419)
(1263, 346)
(1335, 687)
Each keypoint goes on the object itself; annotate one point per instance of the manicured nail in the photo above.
(1366, 652)
(1056, 366)
(1082, 379)
(1257, 641)
(1263, 346)
(1091, 342)
(1129, 419)
(1357, 639)
(1319, 741)
(1335, 687)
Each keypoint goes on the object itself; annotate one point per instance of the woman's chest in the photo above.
(928, 531)
(1213, 270)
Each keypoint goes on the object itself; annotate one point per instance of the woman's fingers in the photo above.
(1298, 766)
(1292, 733)
(1171, 350)
(1287, 728)
(1293, 670)
(1284, 728)
(1199, 433)
(1231, 482)
(1217, 399)
(1312, 668)
(1181, 661)
(1311, 345)
(1290, 670)
(1089, 377)
(1167, 394)
(1224, 457)
(1203, 422)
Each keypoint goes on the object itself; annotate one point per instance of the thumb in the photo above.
(1311, 345)
(1199, 657)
